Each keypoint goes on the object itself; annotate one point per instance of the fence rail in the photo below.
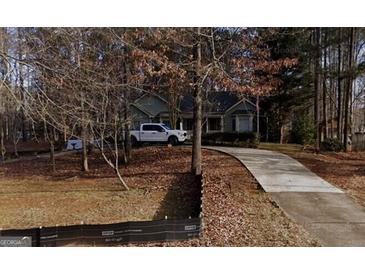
(111, 234)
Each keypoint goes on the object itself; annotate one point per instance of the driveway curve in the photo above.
(321, 208)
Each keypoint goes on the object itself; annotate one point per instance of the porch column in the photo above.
(237, 124)
(222, 123)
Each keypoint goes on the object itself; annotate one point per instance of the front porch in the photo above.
(221, 123)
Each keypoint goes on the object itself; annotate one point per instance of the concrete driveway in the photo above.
(322, 209)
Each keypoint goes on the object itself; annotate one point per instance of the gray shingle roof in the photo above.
(218, 101)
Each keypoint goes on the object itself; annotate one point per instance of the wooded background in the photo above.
(57, 83)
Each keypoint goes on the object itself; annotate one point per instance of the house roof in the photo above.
(141, 108)
(149, 94)
(218, 102)
(221, 101)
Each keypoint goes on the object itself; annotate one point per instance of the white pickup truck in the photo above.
(154, 132)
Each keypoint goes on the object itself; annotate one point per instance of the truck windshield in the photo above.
(166, 127)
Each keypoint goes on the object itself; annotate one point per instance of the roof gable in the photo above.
(218, 102)
(152, 103)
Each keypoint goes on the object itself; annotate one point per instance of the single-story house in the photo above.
(222, 112)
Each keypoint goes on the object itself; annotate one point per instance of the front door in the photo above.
(244, 124)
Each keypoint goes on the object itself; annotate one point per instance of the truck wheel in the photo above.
(173, 140)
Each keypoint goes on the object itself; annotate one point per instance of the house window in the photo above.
(188, 124)
(214, 124)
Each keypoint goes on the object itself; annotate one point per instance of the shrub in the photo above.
(332, 144)
(303, 130)
(242, 139)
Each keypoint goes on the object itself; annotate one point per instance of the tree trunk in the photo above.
(115, 165)
(282, 134)
(2, 145)
(257, 116)
(324, 94)
(127, 128)
(331, 108)
(339, 95)
(84, 158)
(21, 84)
(15, 146)
(347, 126)
(127, 147)
(197, 131)
(52, 156)
(317, 38)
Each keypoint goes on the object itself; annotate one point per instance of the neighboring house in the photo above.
(222, 112)
(359, 119)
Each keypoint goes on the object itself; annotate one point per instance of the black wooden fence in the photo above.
(118, 233)
(111, 234)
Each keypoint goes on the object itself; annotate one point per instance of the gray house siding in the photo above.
(138, 117)
(152, 104)
(153, 108)
(239, 111)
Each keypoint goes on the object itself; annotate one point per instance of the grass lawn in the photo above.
(283, 148)
(32, 196)
(237, 212)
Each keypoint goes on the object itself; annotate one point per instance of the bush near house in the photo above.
(242, 139)
(332, 144)
(303, 130)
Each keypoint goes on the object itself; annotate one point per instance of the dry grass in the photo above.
(31, 196)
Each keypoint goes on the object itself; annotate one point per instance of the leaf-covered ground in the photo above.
(236, 212)
(345, 170)
(32, 196)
